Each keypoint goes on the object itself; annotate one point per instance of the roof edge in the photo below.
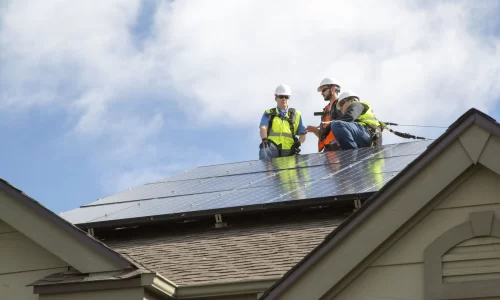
(74, 231)
(153, 282)
(159, 285)
(88, 286)
(292, 204)
(225, 288)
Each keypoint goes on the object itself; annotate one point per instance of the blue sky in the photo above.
(99, 97)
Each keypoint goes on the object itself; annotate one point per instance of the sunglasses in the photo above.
(325, 89)
(283, 97)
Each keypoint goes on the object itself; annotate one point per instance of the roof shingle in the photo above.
(242, 251)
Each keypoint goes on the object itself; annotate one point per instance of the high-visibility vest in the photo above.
(326, 136)
(280, 130)
(368, 117)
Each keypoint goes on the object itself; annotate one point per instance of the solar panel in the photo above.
(307, 160)
(214, 184)
(245, 184)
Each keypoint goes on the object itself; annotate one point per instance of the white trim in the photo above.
(346, 256)
(225, 289)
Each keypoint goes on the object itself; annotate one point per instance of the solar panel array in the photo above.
(243, 184)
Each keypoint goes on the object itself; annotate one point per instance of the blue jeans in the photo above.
(351, 135)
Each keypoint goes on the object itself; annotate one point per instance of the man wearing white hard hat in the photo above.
(357, 126)
(280, 126)
(329, 89)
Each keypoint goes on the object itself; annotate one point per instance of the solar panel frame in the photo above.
(277, 185)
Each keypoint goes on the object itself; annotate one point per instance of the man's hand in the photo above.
(313, 129)
(265, 143)
(296, 148)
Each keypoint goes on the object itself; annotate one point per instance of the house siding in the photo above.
(387, 282)
(22, 262)
(116, 294)
(398, 273)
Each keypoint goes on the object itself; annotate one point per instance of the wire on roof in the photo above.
(406, 125)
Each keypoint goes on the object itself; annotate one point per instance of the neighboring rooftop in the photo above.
(252, 186)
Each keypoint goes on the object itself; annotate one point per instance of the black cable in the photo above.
(401, 134)
(428, 126)
(406, 135)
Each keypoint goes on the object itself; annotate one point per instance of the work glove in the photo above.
(296, 147)
(265, 144)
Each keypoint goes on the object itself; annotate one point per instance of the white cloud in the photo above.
(416, 62)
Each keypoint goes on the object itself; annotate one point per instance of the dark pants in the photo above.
(351, 135)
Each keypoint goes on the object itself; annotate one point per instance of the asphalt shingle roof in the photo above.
(262, 250)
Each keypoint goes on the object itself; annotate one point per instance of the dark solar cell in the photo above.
(313, 159)
(87, 214)
(256, 183)
(226, 183)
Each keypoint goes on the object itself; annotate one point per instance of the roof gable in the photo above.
(395, 270)
(56, 235)
(347, 246)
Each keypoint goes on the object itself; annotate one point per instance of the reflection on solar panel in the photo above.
(255, 183)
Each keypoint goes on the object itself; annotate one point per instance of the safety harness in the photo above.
(326, 139)
(371, 124)
(376, 127)
(290, 118)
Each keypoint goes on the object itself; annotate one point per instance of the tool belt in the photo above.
(280, 150)
(375, 133)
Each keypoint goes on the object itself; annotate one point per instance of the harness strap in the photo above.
(326, 130)
(290, 119)
(366, 119)
(272, 114)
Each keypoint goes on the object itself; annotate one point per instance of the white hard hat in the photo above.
(328, 81)
(345, 95)
(283, 89)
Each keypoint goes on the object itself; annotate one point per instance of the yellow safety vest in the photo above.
(368, 118)
(279, 131)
